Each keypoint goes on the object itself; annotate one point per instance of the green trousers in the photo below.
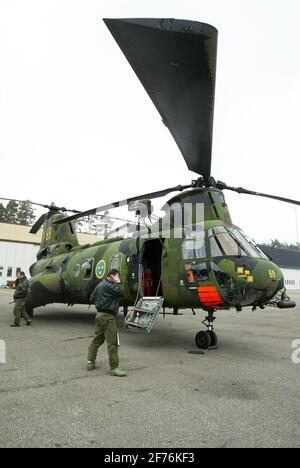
(106, 330)
(19, 311)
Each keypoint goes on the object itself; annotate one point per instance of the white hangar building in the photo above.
(18, 249)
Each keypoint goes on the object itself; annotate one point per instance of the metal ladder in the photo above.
(142, 317)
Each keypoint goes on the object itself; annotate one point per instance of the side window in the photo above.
(87, 268)
(193, 248)
(18, 271)
(9, 272)
(115, 262)
(188, 249)
(1, 271)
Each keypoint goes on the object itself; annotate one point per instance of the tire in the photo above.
(213, 337)
(203, 340)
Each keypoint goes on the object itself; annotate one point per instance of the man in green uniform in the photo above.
(20, 300)
(106, 297)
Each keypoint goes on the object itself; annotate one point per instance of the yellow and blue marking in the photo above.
(100, 269)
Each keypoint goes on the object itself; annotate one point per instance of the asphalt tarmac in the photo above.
(246, 393)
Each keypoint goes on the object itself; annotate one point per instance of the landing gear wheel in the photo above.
(203, 339)
(213, 337)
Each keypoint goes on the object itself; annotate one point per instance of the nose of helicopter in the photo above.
(248, 281)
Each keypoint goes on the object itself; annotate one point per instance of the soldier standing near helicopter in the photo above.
(20, 300)
(106, 297)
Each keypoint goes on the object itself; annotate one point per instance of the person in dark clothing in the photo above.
(20, 300)
(106, 297)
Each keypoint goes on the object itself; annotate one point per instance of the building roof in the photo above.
(20, 234)
(282, 256)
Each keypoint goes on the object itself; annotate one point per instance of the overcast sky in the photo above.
(77, 128)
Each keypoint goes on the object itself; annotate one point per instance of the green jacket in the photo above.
(21, 289)
(106, 297)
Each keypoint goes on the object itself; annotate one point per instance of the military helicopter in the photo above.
(206, 263)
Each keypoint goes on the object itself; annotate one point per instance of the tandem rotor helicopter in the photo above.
(175, 60)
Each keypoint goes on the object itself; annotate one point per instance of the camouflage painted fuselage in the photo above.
(225, 271)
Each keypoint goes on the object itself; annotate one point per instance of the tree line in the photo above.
(23, 213)
(17, 213)
(277, 243)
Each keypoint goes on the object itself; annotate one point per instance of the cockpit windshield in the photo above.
(231, 241)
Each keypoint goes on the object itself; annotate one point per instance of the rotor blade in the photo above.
(175, 60)
(49, 207)
(273, 197)
(38, 224)
(20, 201)
(151, 195)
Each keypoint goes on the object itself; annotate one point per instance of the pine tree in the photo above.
(25, 213)
(2, 213)
(276, 243)
(11, 212)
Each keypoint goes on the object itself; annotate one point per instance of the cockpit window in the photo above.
(217, 230)
(248, 244)
(215, 248)
(262, 254)
(229, 245)
(231, 241)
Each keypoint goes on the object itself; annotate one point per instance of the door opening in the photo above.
(151, 262)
